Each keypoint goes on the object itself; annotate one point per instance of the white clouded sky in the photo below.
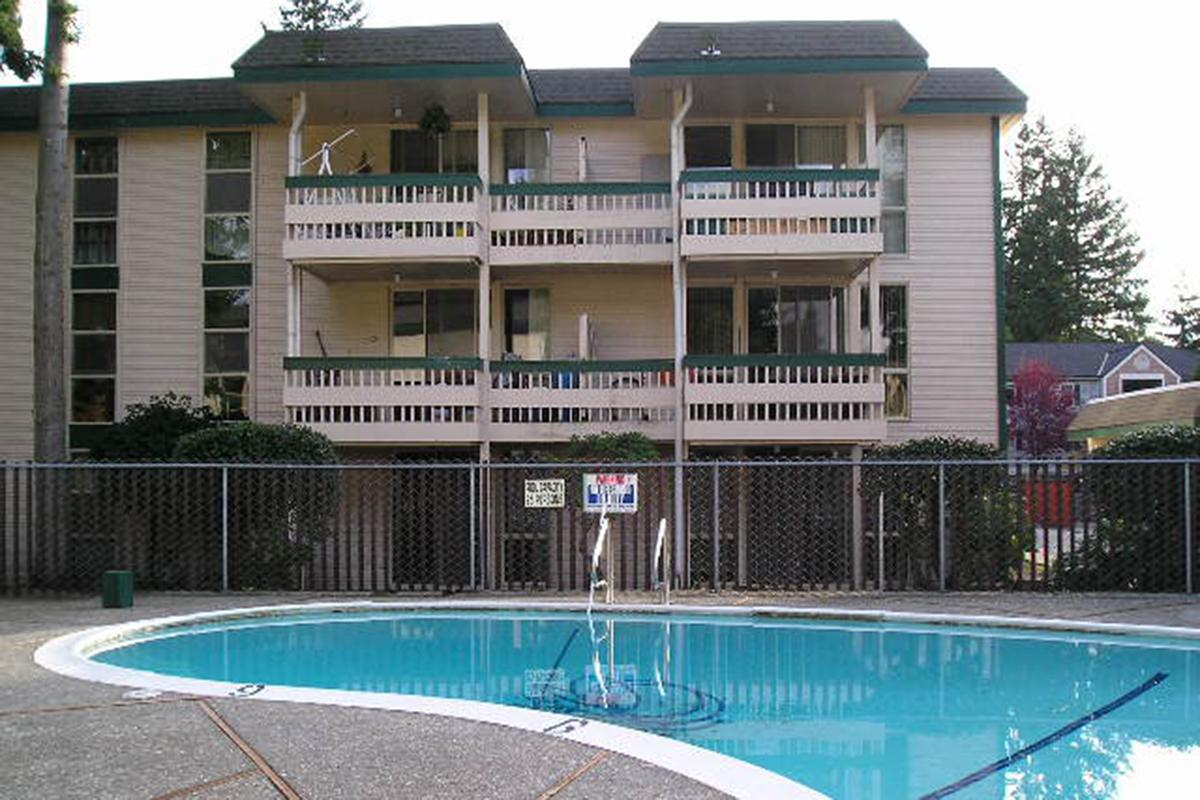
(1123, 78)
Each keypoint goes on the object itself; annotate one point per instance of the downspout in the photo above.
(677, 279)
(299, 113)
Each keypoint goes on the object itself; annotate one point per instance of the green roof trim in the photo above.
(585, 110)
(990, 107)
(380, 362)
(567, 366)
(765, 66)
(384, 179)
(95, 278)
(527, 189)
(96, 122)
(788, 360)
(726, 175)
(375, 72)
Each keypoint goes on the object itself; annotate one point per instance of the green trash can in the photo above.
(117, 589)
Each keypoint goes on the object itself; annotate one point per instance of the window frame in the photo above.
(506, 331)
(902, 210)
(906, 370)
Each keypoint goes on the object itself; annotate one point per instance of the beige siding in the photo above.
(351, 316)
(160, 240)
(270, 275)
(373, 140)
(18, 166)
(950, 273)
(1143, 364)
(617, 149)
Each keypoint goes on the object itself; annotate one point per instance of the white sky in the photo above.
(1121, 78)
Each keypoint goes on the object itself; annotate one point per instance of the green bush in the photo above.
(280, 515)
(613, 447)
(1138, 540)
(150, 431)
(988, 530)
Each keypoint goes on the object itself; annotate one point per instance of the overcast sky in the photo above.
(1119, 77)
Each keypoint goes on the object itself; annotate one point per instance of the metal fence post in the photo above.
(716, 529)
(941, 527)
(471, 472)
(879, 541)
(224, 529)
(1189, 539)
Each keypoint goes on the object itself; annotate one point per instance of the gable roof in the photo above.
(945, 90)
(209, 101)
(1094, 360)
(671, 41)
(380, 47)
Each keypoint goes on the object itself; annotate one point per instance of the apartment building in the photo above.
(769, 235)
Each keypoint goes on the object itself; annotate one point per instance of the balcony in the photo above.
(581, 223)
(393, 217)
(787, 213)
(785, 398)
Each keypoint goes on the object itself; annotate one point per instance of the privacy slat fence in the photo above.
(1075, 525)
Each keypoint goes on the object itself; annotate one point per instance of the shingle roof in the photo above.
(1094, 359)
(966, 84)
(670, 41)
(441, 44)
(601, 86)
(139, 99)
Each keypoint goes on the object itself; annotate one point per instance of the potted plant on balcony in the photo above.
(435, 123)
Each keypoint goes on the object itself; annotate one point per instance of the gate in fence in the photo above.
(755, 525)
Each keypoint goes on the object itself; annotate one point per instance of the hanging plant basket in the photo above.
(435, 121)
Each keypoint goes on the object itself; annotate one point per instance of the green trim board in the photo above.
(639, 365)
(990, 107)
(384, 179)
(225, 275)
(380, 362)
(728, 175)
(95, 122)
(374, 72)
(788, 360)
(95, 278)
(526, 189)
(585, 110)
(1001, 289)
(768, 66)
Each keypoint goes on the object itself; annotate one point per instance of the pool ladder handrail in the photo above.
(659, 578)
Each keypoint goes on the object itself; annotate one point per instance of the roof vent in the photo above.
(710, 50)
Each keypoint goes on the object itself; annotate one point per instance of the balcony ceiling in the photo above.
(374, 272)
(783, 270)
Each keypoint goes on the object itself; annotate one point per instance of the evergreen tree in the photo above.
(14, 57)
(321, 15)
(1183, 322)
(1071, 255)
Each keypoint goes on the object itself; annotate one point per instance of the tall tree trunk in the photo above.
(50, 253)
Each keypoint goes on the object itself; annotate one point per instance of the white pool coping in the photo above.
(70, 655)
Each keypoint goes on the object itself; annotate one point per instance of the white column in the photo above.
(872, 153)
(852, 333)
(295, 336)
(483, 141)
(681, 101)
(876, 311)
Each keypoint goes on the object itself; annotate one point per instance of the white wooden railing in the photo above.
(580, 222)
(785, 398)
(800, 212)
(381, 216)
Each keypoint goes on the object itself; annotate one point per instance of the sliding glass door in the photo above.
(434, 322)
(795, 319)
(710, 320)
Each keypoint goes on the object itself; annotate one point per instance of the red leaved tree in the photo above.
(1042, 407)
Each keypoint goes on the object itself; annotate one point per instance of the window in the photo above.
(416, 151)
(227, 272)
(1139, 383)
(795, 319)
(770, 146)
(527, 323)
(93, 317)
(708, 146)
(893, 188)
(434, 322)
(821, 145)
(893, 301)
(710, 320)
(527, 155)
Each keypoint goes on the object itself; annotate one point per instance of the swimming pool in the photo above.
(852, 709)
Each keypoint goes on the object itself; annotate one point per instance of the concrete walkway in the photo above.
(65, 738)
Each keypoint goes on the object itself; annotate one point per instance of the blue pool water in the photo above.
(854, 710)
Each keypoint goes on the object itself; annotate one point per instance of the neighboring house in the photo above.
(776, 235)
(1104, 369)
(1105, 418)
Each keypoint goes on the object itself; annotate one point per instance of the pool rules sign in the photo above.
(615, 491)
(550, 493)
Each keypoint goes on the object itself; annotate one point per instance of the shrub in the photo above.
(987, 528)
(279, 516)
(150, 431)
(1160, 441)
(613, 447)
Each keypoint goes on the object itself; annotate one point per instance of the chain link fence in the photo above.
(1075, 525)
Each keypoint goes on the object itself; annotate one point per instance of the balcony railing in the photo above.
(554, 400)
(785, 398)
(380, 400)
(332, 217)
(786, 212)
(558, 223)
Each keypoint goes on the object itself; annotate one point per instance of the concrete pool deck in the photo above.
(68, 738)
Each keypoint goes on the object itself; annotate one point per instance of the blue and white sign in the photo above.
(616, 492)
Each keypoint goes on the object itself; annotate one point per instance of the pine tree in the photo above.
(1071, 254)
(1183, 322)
(321, 15)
